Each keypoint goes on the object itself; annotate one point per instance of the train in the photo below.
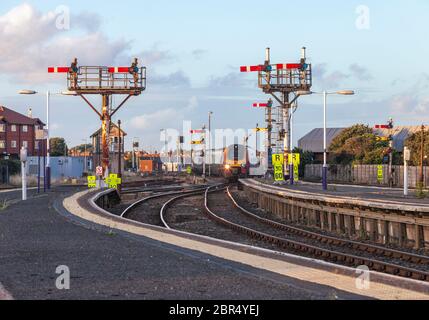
(231, 163)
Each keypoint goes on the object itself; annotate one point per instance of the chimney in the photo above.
(30, 113)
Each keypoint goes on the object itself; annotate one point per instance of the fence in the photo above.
(366, 174)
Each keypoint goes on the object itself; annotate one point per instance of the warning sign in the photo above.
(92, 182)
(189, 170)
(99, 171)
(380, 175)
(294, 158)
(278, 159)
(296, 172)
(278, 164)
(113, 181)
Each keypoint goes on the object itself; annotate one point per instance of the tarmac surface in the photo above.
(39, 235)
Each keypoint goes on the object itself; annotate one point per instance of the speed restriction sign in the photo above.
(99, 171)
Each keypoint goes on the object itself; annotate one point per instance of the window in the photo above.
(2, 144)
(2, 127)
(24, 128)
(36, 145)
(13, 128)
(25, 144)
(13, 144)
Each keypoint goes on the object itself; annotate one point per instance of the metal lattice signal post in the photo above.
(104, 81)
(280, 81)
(269, 121)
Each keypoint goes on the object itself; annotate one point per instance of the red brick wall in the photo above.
(19, 136)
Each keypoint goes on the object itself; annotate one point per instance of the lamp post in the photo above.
(210, 143)
(325, 143)
(204, 151)
(166, 146)
(48, 156)
(120, 152)
(86, 160)
(23, 158)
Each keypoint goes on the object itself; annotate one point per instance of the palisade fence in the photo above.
(366, 174)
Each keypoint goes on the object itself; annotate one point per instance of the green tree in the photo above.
(414, 144)
(358, 145)
(81, 148)
(58, 147)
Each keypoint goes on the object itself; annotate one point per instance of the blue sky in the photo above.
(193, 49)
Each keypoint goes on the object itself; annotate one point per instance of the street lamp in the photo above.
(325, 144)
(86, 160)
(48, 157)
(210, 142)
(166, 147)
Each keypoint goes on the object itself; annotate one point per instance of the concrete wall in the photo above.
(399, 226)
(366, 174)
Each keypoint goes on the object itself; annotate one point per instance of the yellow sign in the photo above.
(260, 130)
(278, 164)
(92, 182)
(278, 173)
(197, 142)
(278, 159)
(113, 181)
(295, 157)
(382, 139)
(189, 170)
(380, 175)
(296, 172)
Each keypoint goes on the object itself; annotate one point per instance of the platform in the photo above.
(113, 258)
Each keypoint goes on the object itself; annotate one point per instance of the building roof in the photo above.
(13, 117)
(313, 141)
(400, 134)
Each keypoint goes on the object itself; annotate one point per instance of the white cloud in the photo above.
(413, 100)
(31, 43)
(198, 54)
(164, 117)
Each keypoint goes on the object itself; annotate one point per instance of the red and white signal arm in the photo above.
(119, 69)
(99, 171)
(197, 131)
(260, 105)
(58, 69)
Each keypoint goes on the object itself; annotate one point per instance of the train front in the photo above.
(236, 164)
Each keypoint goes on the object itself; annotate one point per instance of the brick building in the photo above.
(18, 130)
(115, 144)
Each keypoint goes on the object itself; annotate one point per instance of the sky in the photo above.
(193, 51)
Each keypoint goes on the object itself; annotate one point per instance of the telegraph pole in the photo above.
(120, 154)
(422, 157)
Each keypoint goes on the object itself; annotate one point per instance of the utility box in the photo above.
(146, 166)
(407, 154)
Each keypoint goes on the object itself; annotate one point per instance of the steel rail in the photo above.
(366, 247)
(166, 205)
(156, 196)
(319, 252)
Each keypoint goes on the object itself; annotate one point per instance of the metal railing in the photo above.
(90, 78)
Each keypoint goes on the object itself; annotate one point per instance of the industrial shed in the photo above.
(313, 141)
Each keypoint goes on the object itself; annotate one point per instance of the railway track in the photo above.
(290, 238)
(325, 252)
(355, 245)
